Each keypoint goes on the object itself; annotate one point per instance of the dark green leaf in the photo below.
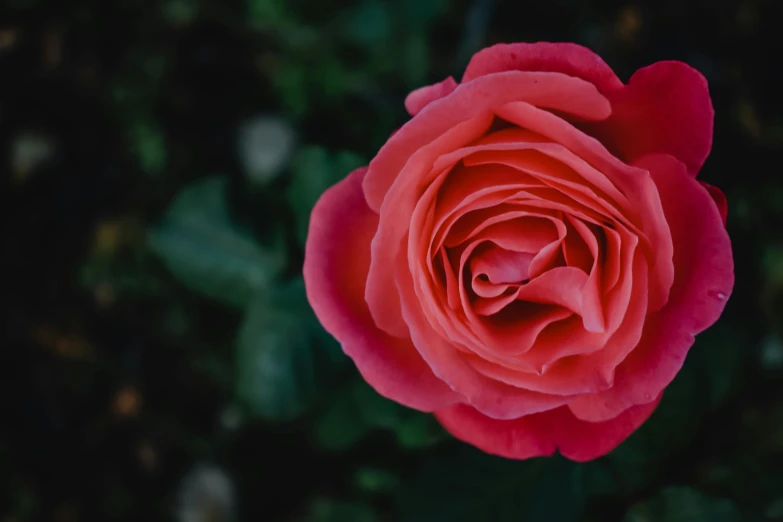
(420, 14)
(717, 354)
(376, 480)
(291, 81)
(370, 23)
(599, 478)
(416, 59)
(285, 360)
(376, 410)
(208, 253)
(314, 170)
(358, 410)
(704, 382)
(327, 510)
(468, 486)
(674, 422)
(419, 430)
(149, 143)
(342, 425)
(267, 13)
(679, 504)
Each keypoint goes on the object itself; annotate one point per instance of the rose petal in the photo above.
(627, 314)
(565, 383)
(703, 282)
(592, 370)
(381, 291)
(575, 249)
(560, 286)
(516, 230)
(560, 340)
(543, 433)
(720, 200)
(612, 254)
(336, 262)
(514, 330)
(500, 266)
(567, 58)
(495, 399)
(665, 108)
(520, 438)
(556, 167)
(592, 297)
(634, 183)
(472, 309)
(471, 100)
(423, 96)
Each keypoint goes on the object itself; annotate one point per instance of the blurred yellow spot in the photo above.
(105, 295)
(628, 23)
(108, 236)
(111, 235)
(66, 512)
(68, 346)
(8, 38)
(127, 402)
(52, 48)
(749, 119)
(148, 457)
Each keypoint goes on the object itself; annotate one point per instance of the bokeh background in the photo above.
(159, 358)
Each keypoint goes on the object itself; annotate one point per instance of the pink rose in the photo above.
(530, 256)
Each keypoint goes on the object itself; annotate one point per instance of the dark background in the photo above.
(159, 359)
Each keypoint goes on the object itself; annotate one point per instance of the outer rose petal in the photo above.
(541, 434)
(337, 258)
(720, 200)
(477, 99)
(665, 108)
(420, 98)
(566, 58)
(703, 282)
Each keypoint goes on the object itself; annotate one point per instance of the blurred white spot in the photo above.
(265, 147)
(721, 295)
(29, 151)
(775, 510)
(771, 352)
(231, 418)
(206, 495)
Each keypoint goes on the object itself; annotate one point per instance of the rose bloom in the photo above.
(530, 256)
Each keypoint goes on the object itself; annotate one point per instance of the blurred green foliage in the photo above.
(163, 362)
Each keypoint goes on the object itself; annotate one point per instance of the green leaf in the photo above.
(285, 360)
(706, 379)
(342, 424)
(370, 23)
(416, 59)
(328, 510)
(313, 171)
(149, 144)
(468, 486)
(717, 354)
(208, 253)
(358, 410)
(419, 430)
(420, 14)
(291, 81)
(599, 478)
(377, 410)
(673, 424)
(679, 504)
(267, 13)
(180, 12)
(637, 462)
(376, 480)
